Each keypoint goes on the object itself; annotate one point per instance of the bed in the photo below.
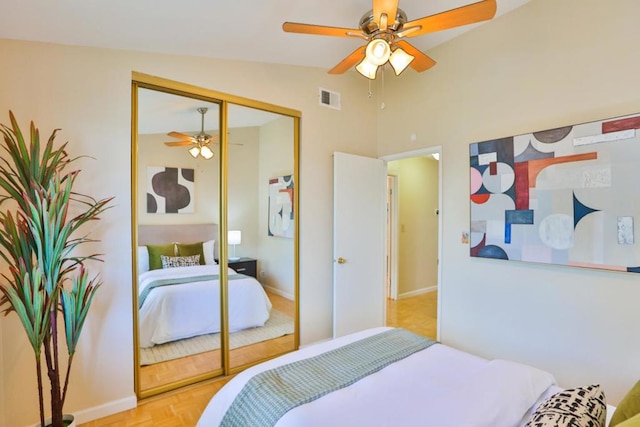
(433, 386)
(182, 302)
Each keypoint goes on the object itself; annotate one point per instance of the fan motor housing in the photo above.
(369, 26)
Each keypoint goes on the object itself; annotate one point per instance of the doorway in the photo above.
(413, 241)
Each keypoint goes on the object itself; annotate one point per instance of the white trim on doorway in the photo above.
(419, 153)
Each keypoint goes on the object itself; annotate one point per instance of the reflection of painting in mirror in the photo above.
(170, 190)
(281, 206)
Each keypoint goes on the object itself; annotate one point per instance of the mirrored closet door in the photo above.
(260, 218)
(214, 231)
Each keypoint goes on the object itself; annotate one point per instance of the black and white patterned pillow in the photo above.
(577, 407)
(179, 261)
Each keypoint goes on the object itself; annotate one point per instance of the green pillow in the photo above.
(191, 249)
(631, 422)
(628, 407)
(155, 251)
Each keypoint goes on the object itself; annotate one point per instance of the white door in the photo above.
(359, 198)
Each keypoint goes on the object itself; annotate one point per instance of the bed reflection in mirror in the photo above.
(178, 233)
(178, 213)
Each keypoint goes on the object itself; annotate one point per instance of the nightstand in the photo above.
(246, 266)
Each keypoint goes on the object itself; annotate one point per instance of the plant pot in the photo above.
(68, 420)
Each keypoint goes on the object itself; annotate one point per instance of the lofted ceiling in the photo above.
(232, 29)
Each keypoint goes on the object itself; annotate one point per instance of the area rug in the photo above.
(279, 324)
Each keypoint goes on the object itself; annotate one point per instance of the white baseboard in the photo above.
(418, 292)
(279, 292)
(106, 409)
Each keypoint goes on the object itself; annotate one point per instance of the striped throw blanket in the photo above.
(180, 281)
(269, 395)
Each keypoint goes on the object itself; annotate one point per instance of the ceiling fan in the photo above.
(384, 28)
(199, 142)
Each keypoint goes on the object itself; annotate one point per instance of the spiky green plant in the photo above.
(46, 281)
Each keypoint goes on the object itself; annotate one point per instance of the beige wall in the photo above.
(275, 255)
(547, 64)
(87, 93)
(418, 223)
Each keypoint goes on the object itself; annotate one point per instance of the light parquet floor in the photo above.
(418, 314)
(170, 371)
(183, 407)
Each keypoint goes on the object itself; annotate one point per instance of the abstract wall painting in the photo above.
(566, 196)
(281, 213)
(170, 190)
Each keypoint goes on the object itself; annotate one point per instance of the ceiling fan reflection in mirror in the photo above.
(384, 28)
(199, 143)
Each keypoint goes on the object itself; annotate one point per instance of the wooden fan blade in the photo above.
(348, 62)
(470, 14)
(388, 7)
(178, 143)
(321, 30)
(421, 62)
(180, 136)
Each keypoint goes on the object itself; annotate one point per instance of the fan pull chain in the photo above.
(382, 78)
(370, 91)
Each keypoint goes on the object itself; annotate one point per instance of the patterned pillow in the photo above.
(179, 261)
(578, 407)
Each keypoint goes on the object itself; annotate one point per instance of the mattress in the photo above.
(438, 386)
(185, 310)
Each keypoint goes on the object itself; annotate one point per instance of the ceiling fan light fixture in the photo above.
(400, 60)
(194, 151)
(378, 51)
(367, 69)
(206, 152)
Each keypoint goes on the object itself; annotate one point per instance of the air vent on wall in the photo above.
(329, 99)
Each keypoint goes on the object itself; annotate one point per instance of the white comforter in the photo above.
(439, 386)
(181, 311)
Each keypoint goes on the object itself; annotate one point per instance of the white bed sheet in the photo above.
(181, 311)
(439, 386)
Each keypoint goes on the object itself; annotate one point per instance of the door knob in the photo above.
(341, 260)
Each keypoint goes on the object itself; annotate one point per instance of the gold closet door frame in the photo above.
(146, 81)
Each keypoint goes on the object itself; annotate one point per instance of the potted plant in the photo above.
(46, 283)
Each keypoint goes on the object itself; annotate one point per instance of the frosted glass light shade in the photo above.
(206, 152)
(367, 69)
(194, 151)
(400, 60)
(378, 51)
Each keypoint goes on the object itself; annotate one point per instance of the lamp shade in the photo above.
(234, 237)
(378, 51)
(206, 152)
(367, 69)
(399, 60)
(194, 151)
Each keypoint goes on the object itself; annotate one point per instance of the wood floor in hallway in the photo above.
(183, 407)
(418, 314)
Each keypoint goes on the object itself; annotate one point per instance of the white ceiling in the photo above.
(230, 29)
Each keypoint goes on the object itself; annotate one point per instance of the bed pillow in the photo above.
(207, 248)
(179, 261)
(629, 406)
(630, 422)
(192, 249)
(155, 251)
(143, 259)
(577, 407)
